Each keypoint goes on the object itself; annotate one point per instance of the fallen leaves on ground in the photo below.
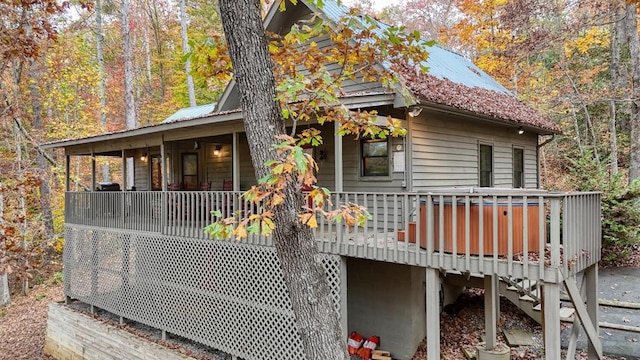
(23, 323)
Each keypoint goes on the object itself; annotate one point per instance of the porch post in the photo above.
(235, 161)
(124, 170)
(338, 159)
(591, 278)
(67, 171)
(163, 167)
(491, 310)
(93, 171)
(432, 297)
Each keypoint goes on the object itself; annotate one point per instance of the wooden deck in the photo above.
(522, 226)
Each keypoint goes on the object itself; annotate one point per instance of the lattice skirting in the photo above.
(227, 295)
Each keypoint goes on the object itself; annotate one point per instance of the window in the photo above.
(156, 172)
(486, 165)
(375, 157)
(190, 171)
(518, 168)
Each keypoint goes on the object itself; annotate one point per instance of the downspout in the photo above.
(553, 136)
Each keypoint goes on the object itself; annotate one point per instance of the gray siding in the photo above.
(218, 167)
(445, 152)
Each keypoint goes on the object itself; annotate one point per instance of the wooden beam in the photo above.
(235, 161)
(591, 278)
(583, 315)
(573, 339)
(338, 160)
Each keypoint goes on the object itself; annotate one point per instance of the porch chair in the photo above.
(205, 185)
(227, 185)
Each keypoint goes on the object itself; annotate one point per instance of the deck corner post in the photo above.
(551, 320)
(432, 293)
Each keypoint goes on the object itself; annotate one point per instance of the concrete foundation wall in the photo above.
(75, 336)
(387, 300)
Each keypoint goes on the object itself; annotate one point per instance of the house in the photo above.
(456, 202)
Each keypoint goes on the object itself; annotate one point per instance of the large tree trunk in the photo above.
(185, 49)
(316, 317)
(634, 53)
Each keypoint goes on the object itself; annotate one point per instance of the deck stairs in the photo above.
(526, 295)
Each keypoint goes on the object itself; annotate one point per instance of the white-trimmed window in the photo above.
(485, 160)
(374, 158)
(518, 167)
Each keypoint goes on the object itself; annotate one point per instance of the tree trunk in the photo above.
(634, 53)
(5, 295)
(185, 49)
(617, 79)
(45, 191)
(102, 85)
(316, 317)
(129, 99)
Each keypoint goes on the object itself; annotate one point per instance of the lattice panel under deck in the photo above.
(228, 295)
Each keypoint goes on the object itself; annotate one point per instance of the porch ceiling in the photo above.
(225, 122)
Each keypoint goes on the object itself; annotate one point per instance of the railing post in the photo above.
(432, 298)
(551, 290)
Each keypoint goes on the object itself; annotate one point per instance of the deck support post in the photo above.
(591, 283)
(344, 320)
(551, 320)
(432, 297)
(491, 310)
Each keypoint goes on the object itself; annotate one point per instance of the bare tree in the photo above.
(186, 50)
(634, 53)
(102, 85)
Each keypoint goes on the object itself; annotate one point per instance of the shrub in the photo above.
(620, 203)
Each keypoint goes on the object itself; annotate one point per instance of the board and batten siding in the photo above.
(445, 152)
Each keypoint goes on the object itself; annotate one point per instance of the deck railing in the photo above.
(494, 231)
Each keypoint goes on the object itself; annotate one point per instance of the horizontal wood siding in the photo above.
(445, 152)
(140, 172)
(247, 172)
(218, 167)
(351, 169)
(327, 169)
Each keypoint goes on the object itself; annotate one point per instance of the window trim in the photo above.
(513, 172)
(361, 158)
(493, 152)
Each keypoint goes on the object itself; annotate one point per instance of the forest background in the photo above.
(65, 65)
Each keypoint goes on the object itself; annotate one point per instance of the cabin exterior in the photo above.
(456, 202)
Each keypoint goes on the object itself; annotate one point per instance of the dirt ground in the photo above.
(23, 323)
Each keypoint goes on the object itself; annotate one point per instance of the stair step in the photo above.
(566, 313)
(537, 307)
(528, 298)
(527, 284)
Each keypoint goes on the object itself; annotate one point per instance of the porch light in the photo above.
(143, 157)
(520, 130)
(216, 150)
